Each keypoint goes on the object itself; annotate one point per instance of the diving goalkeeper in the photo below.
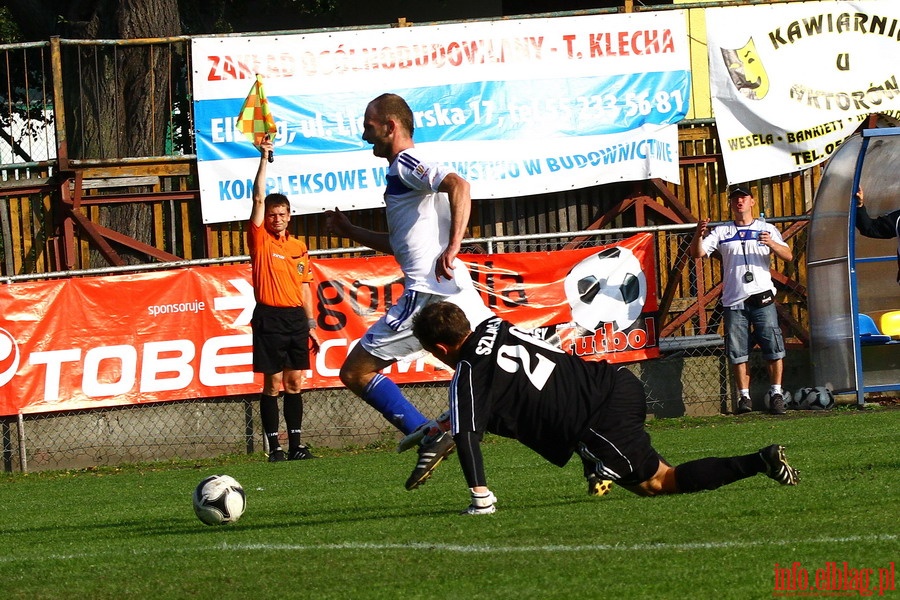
(509, 383)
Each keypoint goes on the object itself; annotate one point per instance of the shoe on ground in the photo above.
(300, 453)
(777, 466)
(482, 505)
(776, 405)
(475, 510)
(277, 456)
(744, 405)
(597, 486)
(431, 453)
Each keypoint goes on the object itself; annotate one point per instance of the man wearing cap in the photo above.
(748, 295)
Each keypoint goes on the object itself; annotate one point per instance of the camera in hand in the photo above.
(748, 277)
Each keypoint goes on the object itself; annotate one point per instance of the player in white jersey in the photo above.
(428, 208)
(748, 294)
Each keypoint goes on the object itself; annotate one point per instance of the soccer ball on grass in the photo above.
(815, 398)
(219, 500)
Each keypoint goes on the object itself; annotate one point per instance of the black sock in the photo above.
(268, 414)
(293, 417)
(712, 473)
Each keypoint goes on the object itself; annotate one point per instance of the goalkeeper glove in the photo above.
(482, 503)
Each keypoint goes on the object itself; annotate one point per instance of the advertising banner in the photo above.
(517, 107)
(185, 334)
(791, 81)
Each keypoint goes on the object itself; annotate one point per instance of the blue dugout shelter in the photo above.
(851, 277)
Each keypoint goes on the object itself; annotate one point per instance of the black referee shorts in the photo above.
(617, 443)
(280, 339)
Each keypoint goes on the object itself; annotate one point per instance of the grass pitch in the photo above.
(342, 526)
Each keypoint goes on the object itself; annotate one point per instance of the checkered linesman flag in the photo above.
(255, 120)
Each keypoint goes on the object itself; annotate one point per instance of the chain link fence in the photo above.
(192, 429)
(692, 377)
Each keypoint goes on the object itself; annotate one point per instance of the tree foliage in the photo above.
(231, 16)
(113, 94)
(122, 100)
(9, 30)
(37, 20)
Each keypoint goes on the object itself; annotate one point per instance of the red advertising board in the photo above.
(183, 334)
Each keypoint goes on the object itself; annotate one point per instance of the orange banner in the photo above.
(184, 334)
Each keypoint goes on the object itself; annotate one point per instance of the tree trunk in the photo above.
(117, 96)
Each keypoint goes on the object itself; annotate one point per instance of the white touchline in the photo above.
(473, 548)
(486, 548)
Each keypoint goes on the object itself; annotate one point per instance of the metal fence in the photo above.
(62, 171)
(70, 102)
(692, 377)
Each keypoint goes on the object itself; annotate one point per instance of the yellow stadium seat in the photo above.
(890, 324)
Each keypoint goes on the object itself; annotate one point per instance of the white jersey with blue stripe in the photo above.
(418, 219)
(741, 252)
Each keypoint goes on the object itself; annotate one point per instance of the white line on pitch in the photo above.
(662, 546)
(483, 548)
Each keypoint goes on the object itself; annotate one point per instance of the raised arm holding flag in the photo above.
(255, 119)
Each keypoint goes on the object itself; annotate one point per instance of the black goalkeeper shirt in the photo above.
(883, 227)
(512, 384)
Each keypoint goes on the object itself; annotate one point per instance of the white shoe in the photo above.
(475, 510)
(482, 504)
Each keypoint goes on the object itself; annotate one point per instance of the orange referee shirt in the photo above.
(279, 267)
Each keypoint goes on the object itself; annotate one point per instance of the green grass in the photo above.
(343, 526)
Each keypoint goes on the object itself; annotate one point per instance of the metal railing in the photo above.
(692, 377)
(99, 151)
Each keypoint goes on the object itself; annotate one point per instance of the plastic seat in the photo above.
(890, 324)
(869, 333)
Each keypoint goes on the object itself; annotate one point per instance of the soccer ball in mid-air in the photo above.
(815, 398)
(607, 287)
(219, 500)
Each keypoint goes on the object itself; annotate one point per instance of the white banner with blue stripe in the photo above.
(518, 107)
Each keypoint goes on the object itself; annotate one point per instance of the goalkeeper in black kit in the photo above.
(512, 384)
